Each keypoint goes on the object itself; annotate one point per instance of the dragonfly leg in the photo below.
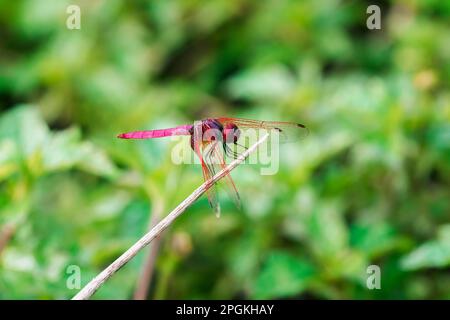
(229, 152)
(233, 153)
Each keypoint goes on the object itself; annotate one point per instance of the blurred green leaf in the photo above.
(282, 275)
(8, 157)
(432, 254)
(274, 82)
(327, 231)
(374, 240)
(25, 126)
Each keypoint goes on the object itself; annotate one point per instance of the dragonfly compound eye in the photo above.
(231, 133)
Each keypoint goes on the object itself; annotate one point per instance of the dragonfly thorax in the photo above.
(212, 130)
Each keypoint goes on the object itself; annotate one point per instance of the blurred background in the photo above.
(368, 186)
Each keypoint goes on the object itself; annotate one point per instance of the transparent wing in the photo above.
(288, 131)
(217, 158)
(207, 169)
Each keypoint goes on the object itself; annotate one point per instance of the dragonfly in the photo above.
(214, 138)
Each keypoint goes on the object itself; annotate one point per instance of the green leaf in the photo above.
(432, 254)
(327, 230)
(25, 127)
(274, 82)
(96, 161)
(282, 275)
(66, 150)
(7, 158)
(374, 240)
(62, 151)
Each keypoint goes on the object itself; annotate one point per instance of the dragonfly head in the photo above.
(231, 133)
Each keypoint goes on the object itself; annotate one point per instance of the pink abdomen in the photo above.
(159, 133)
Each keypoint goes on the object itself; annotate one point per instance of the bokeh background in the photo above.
(370, 185)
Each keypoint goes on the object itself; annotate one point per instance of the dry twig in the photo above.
(145, 279)
(103, 276)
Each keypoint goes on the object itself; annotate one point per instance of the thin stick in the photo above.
(145, 279)
(103, 276)
(6, 234)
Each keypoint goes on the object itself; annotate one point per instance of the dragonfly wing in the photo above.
(207, 168)
(288, 131)
(218, 160)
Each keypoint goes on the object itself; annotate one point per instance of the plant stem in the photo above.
(6, 234)
(103, 276)
(145, 279)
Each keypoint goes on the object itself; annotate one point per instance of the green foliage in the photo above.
(370, 185)
(283, 275)
(430, 254)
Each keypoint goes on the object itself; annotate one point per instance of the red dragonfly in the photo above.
(212, 137)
